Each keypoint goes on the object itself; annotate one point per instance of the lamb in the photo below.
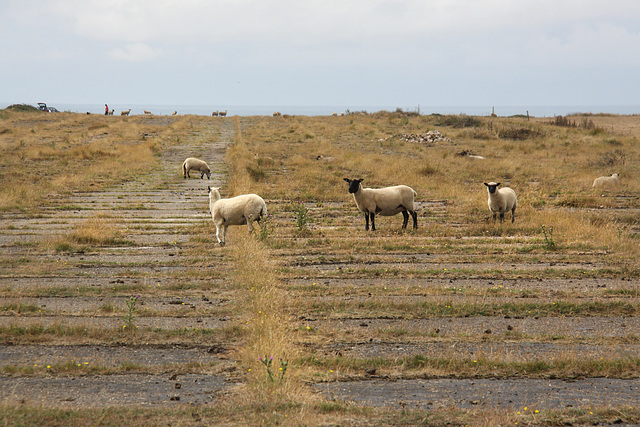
(237, 210)
(605, 182)
(501, 200)
(195, 164)
(387, 201)
(125, 113)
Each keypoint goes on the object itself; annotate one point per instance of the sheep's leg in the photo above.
(405, 220)
(224, 236)
(249, 224)
(513, 215)
(414, 215)
(201, 175)
(373, 221)
(501, 217)
(220, 241)
(494, 217)
(366, 221)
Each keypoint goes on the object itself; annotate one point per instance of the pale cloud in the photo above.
(137, 52)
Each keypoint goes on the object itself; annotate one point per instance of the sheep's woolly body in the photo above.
(237, 210)
(193, 164)
(386, 201)
(607, 181)
(501, 200)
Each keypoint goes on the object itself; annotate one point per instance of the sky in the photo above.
(320, 52)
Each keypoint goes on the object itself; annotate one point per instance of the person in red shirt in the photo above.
(106, 110)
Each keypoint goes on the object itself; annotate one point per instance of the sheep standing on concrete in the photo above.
(197, 165)
(237, 210)
(386, 201)
(607, 182)
(501, 200)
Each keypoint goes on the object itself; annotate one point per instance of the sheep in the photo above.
(277, 114)
(237, 210)
(605, 182)
(111, 112)
(384, 201)
(147, 112)
(501, 201)
(223, 113)
(125, 113)
(175, 113)
(195, 164)
(215, 113)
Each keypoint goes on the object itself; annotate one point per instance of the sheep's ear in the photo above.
(486, 184)
(497, 184)
(208, 189)
(346, 179)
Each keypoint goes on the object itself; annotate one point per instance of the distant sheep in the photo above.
(237, 210)
(223, 113)
(111, 112)
(195, 164)
(607, 182)
(125, 112)
(277, 114)
(215, 113)
(386, 201)
(501, 200)
(147, 112)
(175, 113)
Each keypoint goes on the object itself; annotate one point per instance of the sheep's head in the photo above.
(354, 184)
(492, 187)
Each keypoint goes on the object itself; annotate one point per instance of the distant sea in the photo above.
(262, 110)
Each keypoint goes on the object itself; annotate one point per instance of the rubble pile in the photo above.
(431, 137)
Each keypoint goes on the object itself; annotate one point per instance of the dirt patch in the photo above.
(473, 393)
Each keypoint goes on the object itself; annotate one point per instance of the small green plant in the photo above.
(131, 308)
(268, 361)
(265, 228)
(302, 216)
(547, 233)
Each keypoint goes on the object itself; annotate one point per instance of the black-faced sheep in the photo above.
(197, 165)
(237, 210)
(501, 200)
(607, 182)
(386, 201)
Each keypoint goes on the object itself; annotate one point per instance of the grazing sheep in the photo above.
(384, 201)
(237, 210)
(125, 113)
(607, 182)
(277, 114)
(147, 112)
(501, 200)
(197, 165)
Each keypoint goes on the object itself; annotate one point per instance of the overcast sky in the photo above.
(321, 52)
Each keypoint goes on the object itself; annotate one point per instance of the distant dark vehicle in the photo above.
(42, 106)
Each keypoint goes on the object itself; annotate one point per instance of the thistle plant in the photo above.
(268, 361)
(547, 232)
(302, 216)
(131, 308)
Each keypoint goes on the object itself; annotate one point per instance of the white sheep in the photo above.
(501, 200)
(607, 182)
(125, 112)
(386, 201)
(237, 210)
(197, 165)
